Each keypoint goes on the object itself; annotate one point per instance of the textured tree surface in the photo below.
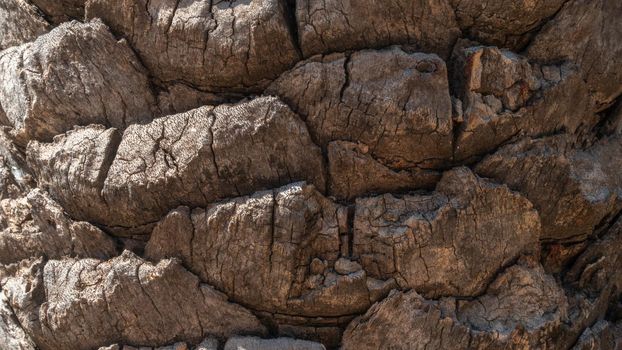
(310, 174)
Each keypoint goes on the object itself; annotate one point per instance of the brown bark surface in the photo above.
(310, 174)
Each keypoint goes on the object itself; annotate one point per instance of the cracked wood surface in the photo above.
(275, 251)
(214, 45)
(449, 243)
(76, 304)
(326, 26)
(77, 74)
(280, 174)
(393, 101)
(202, 156)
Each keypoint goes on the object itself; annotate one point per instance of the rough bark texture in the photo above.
(522, 308)
(585, 183)
(395, 102)
(504, 96)
(77, 74)
(275, 251)
(20, 22)
(326, 26)
(214, 45)
(75, 304)
(310, 174)
(504, 23)
(451, 242)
